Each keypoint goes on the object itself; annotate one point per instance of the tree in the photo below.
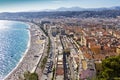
(111, 68)
(30, 76)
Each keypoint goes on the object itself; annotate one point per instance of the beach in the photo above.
(32, 55)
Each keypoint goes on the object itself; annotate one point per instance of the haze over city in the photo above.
(40, 5)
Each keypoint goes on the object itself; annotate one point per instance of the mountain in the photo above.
(116, 8)
(75, 12)
(62, 14)
(70, 9)
(86, 9)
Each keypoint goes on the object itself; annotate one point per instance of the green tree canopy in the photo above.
(30, 76)
(111, 68)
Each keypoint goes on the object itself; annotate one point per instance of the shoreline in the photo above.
(24, 53)
(28, 59)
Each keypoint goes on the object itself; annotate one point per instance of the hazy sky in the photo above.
(33, 5)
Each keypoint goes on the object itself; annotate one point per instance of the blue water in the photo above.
(14, 39)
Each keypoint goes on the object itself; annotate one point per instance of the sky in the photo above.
(40, 5)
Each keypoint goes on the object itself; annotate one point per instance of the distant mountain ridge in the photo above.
(70, 9)
(79, 9)
(73, 12)
(86, 9)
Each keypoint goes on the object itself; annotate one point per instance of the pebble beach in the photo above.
(31, 56)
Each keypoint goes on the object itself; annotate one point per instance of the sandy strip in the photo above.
(28, 61)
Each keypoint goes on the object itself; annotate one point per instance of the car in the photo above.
(47, 67)
(45, 73)
(49, 70)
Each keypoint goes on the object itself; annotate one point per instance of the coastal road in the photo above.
(48, 71)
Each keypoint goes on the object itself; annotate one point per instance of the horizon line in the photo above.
(55, 9)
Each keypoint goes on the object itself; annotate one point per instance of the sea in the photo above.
(14, 37)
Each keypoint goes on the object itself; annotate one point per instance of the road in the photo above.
(65, 60)
(48, 71)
